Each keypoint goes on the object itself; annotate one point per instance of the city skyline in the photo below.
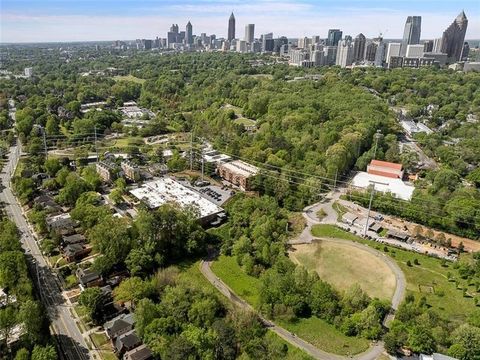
(26, 21)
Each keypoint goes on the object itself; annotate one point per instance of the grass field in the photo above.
(314, 330)
(343, 265)
(326, 336)
(247, 287)
(429, 278)
(129, 78)
(325, 230)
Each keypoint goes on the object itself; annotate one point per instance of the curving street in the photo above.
(306, 237)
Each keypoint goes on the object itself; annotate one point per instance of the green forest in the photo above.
(310, 135)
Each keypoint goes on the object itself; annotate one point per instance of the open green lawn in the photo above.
(429, 278)
(325, 230)
(100, 341)
(314, 330)
(247, 287)
(343, 265)
(325, 336)
(129, 78)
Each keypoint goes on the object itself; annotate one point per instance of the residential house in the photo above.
(119, 326)
(139, 353)
(127, 342)
(61, 223)
(73, 239)
(75, 252)
(88, 278)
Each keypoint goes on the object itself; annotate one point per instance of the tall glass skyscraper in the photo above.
(334, 36)
(411, 34)
(454, 37)
(231, 27)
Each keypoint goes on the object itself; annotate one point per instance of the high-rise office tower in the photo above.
(454, 37)
(380, 52)
(231, 27)
(370, 51)
(249, 33)
(329, 55)
(189, 34)
(411, 34)
(344, 53)
(315, 39)
(174, 28)
(267, 42)
(428, 46)
(359, 47)
(465, 51)
(334, 36)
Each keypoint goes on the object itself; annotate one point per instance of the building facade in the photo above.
(238, 173)
(249, 33)
(231, 27)
(334, 36)
(411, 33)
(189, 34)
(453, 38)
(359, 48)
(344, 53)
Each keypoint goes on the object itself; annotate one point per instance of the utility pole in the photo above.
(191, 151)
(370, 203)
(96, 148)
(335, 181)
(44, 141)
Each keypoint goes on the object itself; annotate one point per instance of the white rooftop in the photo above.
(215, 156)
(165, 190)
(241, 168)
(395, 186)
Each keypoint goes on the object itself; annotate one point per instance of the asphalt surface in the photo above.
(71, 342)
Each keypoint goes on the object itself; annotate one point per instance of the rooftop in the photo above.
(393, 185)
(166, 190)
(386, 164)
(241, 168)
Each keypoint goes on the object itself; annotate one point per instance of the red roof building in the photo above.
(385, 168)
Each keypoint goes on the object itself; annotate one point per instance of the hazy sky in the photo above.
(76, 20)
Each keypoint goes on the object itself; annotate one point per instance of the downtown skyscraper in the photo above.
(189, 33)
(453, 38)
(334, 36)
(249, 33)
(411, 33)
(359, 47)
(231, 27)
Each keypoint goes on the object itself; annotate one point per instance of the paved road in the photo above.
(284, 334)
(69, 338)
